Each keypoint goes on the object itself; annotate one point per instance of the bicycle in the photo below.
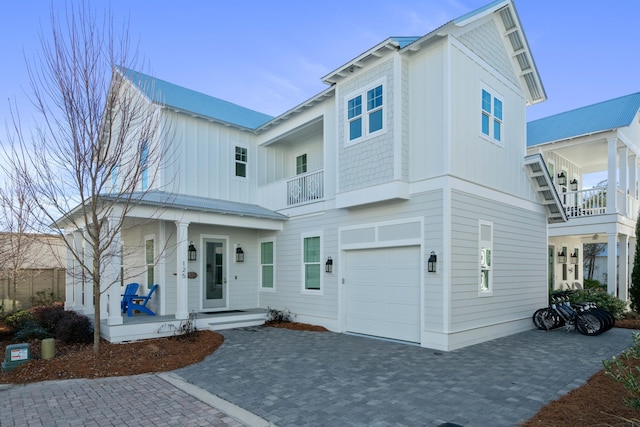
(585, 318)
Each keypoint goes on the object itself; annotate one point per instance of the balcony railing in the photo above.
(593, 201)
(305, 188)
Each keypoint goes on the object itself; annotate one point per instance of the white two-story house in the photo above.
(399, 202)
(601, 138)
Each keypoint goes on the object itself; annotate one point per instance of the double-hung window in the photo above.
(485, 242)
(491, 116)
(311, 263)
(241, 162)
(365, 113)
(150, 261)
(266, 265)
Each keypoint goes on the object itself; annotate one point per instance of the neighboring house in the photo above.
(34, 263)
(398, 203)
(599, 137)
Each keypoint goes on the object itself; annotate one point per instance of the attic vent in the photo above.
(523, 61)
(507, 20)
(534, 89)
(516, 43)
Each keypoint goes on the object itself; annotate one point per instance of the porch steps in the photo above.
(241, 319)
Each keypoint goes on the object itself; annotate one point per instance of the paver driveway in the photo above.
(295, 378)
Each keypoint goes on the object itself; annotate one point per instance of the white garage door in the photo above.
(383, 292)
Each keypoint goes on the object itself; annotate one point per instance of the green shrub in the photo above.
(30, 330)
(17, 319)
(625, 374)
(602, 299)
(48, 316)
(44, 298)
(279, 316)
(594, 284)
(74, 328)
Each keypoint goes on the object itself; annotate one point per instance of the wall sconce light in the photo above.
(562, 257)
(574, 257)
(192, 252)
(239, 254)
(431, 262)
(574, 184)
(328, 267)
(562, 179)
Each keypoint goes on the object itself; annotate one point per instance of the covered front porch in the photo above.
(190, 247)
(142, 326)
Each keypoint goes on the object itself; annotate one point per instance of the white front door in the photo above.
(215, 277)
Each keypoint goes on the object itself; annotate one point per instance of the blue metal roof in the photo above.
(477, 11)
(404, 41)
(169, 200)
(611, 114)
(180, 98)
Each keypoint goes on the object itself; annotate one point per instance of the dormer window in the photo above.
(365, 113)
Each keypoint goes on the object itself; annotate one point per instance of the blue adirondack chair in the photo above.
(139, 302)
(130, 291)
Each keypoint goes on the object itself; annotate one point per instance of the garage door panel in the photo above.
(383, 292)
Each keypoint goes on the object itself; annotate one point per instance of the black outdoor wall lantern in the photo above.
(431, 262)
(239, 254)
(574, 184)
(562, 179)
(192, 252)
(562, 257)
(328, 267)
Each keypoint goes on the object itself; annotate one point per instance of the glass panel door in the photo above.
(215, 293)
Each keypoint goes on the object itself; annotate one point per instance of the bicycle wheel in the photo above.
(545, 319)
(607, 318)
(588, 324)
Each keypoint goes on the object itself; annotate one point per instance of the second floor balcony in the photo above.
(295, 191)
(595, 201)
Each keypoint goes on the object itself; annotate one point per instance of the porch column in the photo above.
(624, 178)
(633, 184)
(612, 269)
(69, 288)
(632, 258)
(611, 175)
(87, 282)
(623, 267)
(78, 304)
(182, 306)
(112, 278)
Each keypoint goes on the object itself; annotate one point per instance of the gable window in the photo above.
(301, 164)
(266, 265)
(144, 166)
(241, 162)
(491, 116)
(485, 242)
(311, 263)
(363, 121)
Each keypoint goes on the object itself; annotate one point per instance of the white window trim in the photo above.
(246, 147)
(260, 242)
(494, 94)
(488, 244)
(365, 114)
(155, 259)
(302, 264)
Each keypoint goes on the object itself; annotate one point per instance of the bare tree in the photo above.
(590, 252)
(97, 137)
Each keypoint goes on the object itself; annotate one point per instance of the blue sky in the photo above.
(270, 55)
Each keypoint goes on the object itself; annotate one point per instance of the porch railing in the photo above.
(593, 201)
(305, 188)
